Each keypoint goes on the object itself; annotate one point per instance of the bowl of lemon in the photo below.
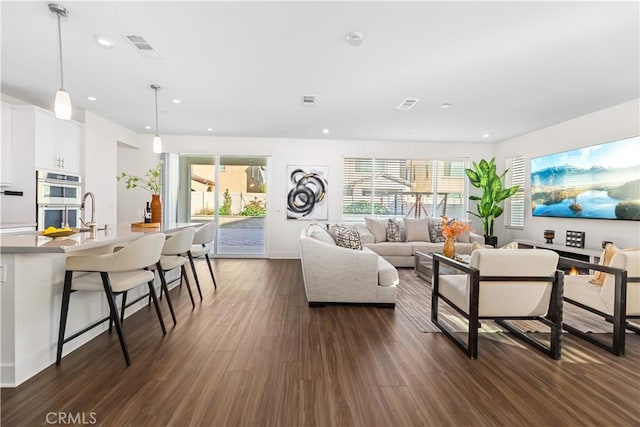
(55, 233)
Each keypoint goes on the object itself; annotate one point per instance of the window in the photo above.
(514, 206)
(395, 187)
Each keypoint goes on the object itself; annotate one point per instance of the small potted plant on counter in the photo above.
(151, 183)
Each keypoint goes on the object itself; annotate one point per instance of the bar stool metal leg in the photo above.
(64, 311)
(163, 286)
(195, 275)
(183, 273)
(211, 271)
(114, 314)
(152, 291)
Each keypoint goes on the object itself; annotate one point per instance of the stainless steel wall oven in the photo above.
(58, 198)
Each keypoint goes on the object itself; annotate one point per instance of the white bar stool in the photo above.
(176, 247)
(204, 235)
(118, 272)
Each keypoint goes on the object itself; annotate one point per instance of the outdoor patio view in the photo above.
(235, 197)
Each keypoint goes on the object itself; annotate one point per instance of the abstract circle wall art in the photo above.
(307, 192)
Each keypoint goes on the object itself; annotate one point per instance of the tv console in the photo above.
(580, 254)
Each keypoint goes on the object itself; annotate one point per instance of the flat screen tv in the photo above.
(601, 181)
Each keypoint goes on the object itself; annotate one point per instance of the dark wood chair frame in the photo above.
(553, 319)
(619, 318)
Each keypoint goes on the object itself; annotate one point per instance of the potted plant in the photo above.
(485, 177)
(151, 183)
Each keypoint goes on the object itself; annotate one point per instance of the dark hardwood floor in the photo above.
(253, 353)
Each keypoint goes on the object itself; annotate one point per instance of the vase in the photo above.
(491, 240)
(156, 208)
(449, 249)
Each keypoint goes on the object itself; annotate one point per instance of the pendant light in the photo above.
(62, 104)
(157, 142)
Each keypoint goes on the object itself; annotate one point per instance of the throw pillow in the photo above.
(605, 259)
(435, 230)
(511, 245)
(476, 246)
(319, 232)
(417, 230)
(394, 232)
(377, 227)
(347, 237)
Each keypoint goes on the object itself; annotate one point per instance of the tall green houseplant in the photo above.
(485, 177)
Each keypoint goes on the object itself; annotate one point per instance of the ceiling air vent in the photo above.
(408, 103)
(142, 45)
(308, 100)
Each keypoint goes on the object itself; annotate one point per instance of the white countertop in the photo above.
(32, 242)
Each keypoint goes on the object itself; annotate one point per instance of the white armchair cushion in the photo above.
(512, 298)
(578, 288)
(629, 261)
(318, 232)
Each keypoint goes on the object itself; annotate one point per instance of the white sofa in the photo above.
(402, 254)
(333, 274)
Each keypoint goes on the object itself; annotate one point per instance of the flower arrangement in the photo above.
(452, 228)
(150, 181)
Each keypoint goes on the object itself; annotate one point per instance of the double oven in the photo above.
(58, 198)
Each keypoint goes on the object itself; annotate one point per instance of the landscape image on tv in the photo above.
(601, 181)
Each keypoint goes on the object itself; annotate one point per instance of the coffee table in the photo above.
(424, 266)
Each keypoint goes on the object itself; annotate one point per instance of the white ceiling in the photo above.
(240, 68)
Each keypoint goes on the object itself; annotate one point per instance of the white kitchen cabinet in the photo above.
(6, 154)
(57, 142)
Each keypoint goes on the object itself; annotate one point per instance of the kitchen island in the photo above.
(33, 269)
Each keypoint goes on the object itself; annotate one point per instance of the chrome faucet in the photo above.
(91, 224)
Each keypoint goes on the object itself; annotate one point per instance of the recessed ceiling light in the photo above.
(445, 105)
(103, 41)
(176, 101)
(147, 127)
(209, 129)
(325, 131)
(354, 38)
(485, 135)
(92, 98)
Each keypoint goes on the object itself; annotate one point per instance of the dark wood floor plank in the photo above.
(254, 354)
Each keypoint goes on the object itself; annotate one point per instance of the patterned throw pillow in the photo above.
(347, 237)
(394, 232)
(435, 230)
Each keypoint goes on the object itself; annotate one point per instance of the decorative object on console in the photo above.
(307, 192)
(151, 183)
(599, 182)
(485, 177)
(575, 239)
(549, 235)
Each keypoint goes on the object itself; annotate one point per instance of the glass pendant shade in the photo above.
(157, 144)
(63, 105)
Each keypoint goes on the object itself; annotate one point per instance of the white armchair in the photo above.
(616, 300)
(500, 285)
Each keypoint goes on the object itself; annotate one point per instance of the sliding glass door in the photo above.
(232, 192)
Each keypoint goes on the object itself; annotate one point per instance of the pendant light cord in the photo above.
(60, 49)
(156, 92)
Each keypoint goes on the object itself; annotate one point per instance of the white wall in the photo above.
(614, 123)
(282, 237)
(101, 138)
(135, 158)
